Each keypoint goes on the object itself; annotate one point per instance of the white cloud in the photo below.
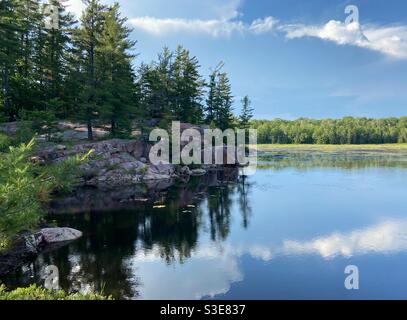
(387, 237)
(227, 10)
(217, 18)
(265, 25)
(217, 268)
(214, 28)
(74, 6)
(391, 41)
(160, 27)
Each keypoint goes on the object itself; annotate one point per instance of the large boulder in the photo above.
(25, 248)
(160, 172)
(56, 235)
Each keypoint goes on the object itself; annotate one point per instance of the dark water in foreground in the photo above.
(287, 232)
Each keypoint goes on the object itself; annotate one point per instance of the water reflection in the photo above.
(235, 238)
(386, 237)
(279, 160)
(212, 270)
(107, 258)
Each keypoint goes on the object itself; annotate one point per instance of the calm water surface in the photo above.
(287, 232)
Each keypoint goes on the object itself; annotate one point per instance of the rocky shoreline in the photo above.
(26, 247)
(117, 163)
(116, 175)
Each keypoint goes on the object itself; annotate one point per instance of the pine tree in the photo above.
(84, 72)
(165, 88)
(75, 79)
(188, 88)
(247, 113)
(220, 100)
(116, 89)
(52, 50)
(87, 39)
(9, 47)
(26, 90)
(172, 88)
(211, 105)
(30, 18)
(210, 101)
(224, 102)
(156, 87)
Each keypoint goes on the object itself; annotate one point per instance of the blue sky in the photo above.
(294, 58)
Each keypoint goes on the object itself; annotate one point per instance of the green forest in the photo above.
(332, 131)
(88, 71)
(56, 68)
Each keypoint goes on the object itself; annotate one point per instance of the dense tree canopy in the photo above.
(85, 71)
(332, 131)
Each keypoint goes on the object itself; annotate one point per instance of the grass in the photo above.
(333, 148)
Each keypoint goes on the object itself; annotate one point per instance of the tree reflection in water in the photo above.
(96, 262)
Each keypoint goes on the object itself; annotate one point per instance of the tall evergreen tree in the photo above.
(188, 88)
(75, 79)
(224, 102)
(116, 89)
(220, 100)
(9, 47)
(26, 90)
(165, 90)
(84, 71)
(87, 38)
(156, 87)
(212, 107)
(53, 45)
(247, 113)
(31, 17)
(210, 101)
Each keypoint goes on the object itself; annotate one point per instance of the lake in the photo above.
(287, 232)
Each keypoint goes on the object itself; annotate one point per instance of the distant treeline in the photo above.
(332, 131)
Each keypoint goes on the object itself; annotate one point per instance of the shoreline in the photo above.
(402, 147)
(26, 247)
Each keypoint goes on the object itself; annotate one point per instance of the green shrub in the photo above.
(26, 186)
(20, 205)
(5, 142)
(36, 293)
(43, 123)
(24, 133)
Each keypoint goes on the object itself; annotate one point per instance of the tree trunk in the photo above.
(93, 89)
(90, 130)
(113, 127)
(6, 92)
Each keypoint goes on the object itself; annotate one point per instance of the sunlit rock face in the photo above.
(103, 150)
